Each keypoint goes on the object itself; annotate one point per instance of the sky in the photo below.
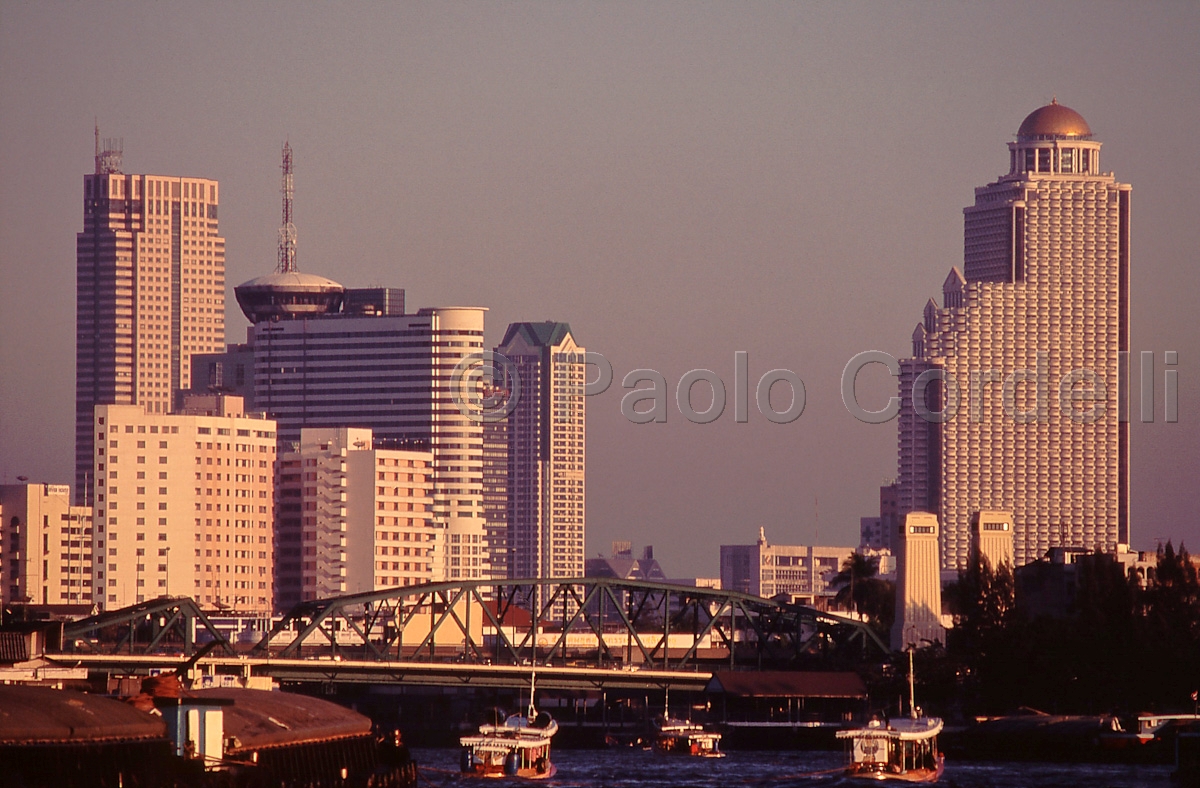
(678, 181)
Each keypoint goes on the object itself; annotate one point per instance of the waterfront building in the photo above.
(45, 546)
(353, 515)
(1019, 390)
(184, 505)
(802, 572)
(150, 283)
(918, 619)
(545, 451)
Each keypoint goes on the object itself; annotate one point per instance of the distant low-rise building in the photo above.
(622, 565)
(801, 572)
(45, 546)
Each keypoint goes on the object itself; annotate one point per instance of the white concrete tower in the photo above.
(1017, 374)
(918, 583)
(992, 537)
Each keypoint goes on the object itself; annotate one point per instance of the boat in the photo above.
(678, 737)
(900, 750)
(517, 747)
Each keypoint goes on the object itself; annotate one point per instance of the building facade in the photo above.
(150, 285)
(353, 516)
(45, 546)
(546, 493)
(184, 505)
(1013, 398)
(802, 572)
(495, 495)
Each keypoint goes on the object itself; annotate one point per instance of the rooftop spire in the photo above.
(287, 230)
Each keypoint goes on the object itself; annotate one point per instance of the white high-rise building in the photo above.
(545, 451)
(1017, 375)
(45, 546)
(363, 513)
(393, 374)
(184, 505)
(150, 293)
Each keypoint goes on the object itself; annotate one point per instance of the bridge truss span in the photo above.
(587, 622)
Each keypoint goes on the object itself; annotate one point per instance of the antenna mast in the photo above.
(287, 231)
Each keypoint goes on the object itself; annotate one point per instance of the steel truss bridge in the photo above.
(577, 633)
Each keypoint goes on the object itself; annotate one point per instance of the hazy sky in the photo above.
(677, 181)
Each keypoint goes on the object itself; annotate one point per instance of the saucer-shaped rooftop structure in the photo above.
(288, 296)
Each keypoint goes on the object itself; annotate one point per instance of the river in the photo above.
(627, 768)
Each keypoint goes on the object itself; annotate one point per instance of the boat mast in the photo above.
(532, 685)
(912, 688)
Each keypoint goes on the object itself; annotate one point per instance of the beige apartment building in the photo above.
(150, 285)
(1018, 386)
(45, 546)
(184, 505)
(361, 514)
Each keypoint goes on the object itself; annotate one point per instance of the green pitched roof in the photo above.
(545, 334)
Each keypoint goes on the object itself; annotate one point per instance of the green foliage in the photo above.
(861, 590)
(1122, 647)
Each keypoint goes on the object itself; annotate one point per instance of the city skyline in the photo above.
(787, 183)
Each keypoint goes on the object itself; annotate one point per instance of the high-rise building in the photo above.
(150, 292)
(495, 495)
(545, 451)
(45, 546)
(1011, 401)
(354, 516)
(396, 376)
(184, 505)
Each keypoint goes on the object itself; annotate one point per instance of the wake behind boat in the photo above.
(677, 737)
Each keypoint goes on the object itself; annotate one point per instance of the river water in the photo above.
(629, 768)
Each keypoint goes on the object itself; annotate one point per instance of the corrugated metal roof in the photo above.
(30, 715)
(261, 719)
(787, 684)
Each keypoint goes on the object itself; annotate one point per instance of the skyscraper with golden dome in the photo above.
(1012, 399)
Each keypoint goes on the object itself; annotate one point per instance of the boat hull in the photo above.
(867, 773)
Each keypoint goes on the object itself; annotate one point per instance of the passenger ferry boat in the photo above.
(520, 747)
(677, 737)
(902, 750)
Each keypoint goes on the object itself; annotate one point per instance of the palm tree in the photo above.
(865, 592)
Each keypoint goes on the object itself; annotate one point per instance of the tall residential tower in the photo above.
(545, 451)
(150, 292)
(1011, 401)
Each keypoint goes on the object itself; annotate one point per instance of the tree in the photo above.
(861, 589)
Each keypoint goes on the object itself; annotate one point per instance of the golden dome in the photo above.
(1054, 121)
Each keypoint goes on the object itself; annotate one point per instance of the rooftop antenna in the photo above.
(108, 153)
(287, 230)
